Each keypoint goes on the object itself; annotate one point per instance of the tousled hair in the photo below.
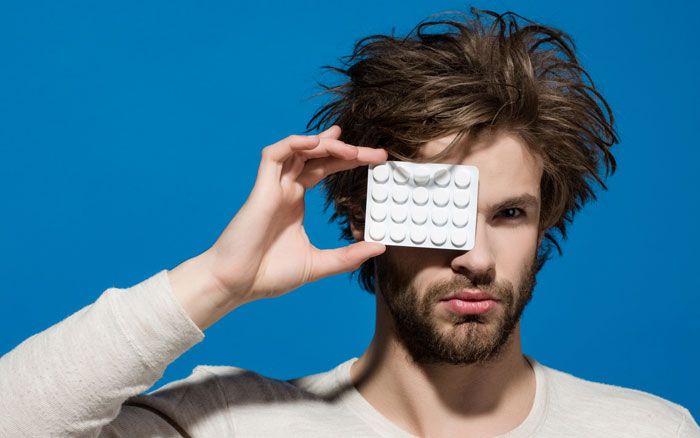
(469, 75)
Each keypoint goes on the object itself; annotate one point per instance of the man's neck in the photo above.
(445, 400)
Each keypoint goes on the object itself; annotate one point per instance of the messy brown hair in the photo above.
(467, 75)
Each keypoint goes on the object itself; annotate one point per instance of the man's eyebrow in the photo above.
(525, 200)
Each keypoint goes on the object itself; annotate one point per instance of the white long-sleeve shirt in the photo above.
(86, 376)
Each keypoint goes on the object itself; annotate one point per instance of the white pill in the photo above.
(401, 175)
(397, 234)
(378, 212)
(381, 173)
(461, 198)
(458, 237)
(462, 179)
(420, 196)
(421, 176)
(442, 177)
(377, 231)
(418, 235)
(460, 218)
(419, 215)
(379, 193)
(438, 236)
(399, 214)
(400, 195)
(441, 197)
(439, 216)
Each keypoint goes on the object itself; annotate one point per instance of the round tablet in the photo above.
(441, 197)
(442, 177)
(462, 179)
(399, 195)
(460, 218)
(439, 216)
(377, 231)
(381, 173)
(400, 175)
(421, 176)
(461, 198)
(378, 212)
(399, 214)
(379, 193)
(420, 196)
(438, 236)
(458, 237)
(397, 234)
(418, 236)
(419, 216)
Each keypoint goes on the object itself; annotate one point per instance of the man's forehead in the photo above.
(507, 166)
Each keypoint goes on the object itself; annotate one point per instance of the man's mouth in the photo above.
(461, 307)
(470, 295)
(470, 302)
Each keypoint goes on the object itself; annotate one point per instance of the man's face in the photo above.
(413, 281)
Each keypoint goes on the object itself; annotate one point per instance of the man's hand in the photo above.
(264, 251)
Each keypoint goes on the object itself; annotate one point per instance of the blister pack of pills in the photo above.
(425, 205)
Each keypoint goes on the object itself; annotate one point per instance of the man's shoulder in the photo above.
(618, 406)
(231, 379)
(240, 382)
(214, 400)
(577, 389)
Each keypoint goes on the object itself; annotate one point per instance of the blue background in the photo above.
(130, 134)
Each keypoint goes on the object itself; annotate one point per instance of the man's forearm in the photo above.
(73, 377)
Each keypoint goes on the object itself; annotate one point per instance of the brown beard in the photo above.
(470, 339)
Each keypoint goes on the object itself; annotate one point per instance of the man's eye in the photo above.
(512, 213)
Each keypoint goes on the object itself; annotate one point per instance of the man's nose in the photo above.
(477, 264)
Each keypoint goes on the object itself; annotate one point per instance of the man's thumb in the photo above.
(344, 259)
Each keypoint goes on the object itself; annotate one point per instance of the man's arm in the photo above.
(72, 378)
(688, 428)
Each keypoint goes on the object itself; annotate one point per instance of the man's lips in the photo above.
(470, 302)
(470, 295)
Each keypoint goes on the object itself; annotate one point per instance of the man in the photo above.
(512, 101)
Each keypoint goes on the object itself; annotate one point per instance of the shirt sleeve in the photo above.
(72, 378)
(688, 428)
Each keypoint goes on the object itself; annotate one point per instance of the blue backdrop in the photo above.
(130, 134)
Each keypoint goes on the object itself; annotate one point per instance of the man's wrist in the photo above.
(198, 292)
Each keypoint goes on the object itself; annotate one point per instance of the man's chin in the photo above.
(472, 328)
(479, 328)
